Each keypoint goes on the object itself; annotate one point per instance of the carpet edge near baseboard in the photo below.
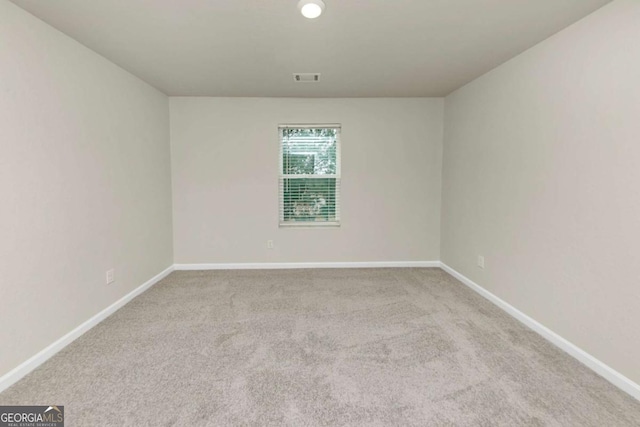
(607, 372)
(616, 378)
(305, 265)
(23, 369)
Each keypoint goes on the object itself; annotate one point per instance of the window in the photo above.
(309, 175)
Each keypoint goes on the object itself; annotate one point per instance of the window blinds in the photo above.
(309, 183)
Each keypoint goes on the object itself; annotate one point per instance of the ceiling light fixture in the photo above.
(311, 8)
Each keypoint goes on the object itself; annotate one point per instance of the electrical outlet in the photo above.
(269, 244)
(111, 276)
(481, 261)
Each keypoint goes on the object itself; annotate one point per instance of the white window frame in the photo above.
(282, 176)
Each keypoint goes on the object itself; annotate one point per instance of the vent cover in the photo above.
(306, 77)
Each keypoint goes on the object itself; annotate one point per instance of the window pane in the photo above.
(309, 199)
(309, 151)
(313, 198)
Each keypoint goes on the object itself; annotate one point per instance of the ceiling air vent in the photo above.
(306, 77)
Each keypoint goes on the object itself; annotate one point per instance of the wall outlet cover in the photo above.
(111, 276)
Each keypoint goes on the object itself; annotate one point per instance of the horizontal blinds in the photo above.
(309, 182)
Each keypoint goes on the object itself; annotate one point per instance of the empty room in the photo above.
(319, 213)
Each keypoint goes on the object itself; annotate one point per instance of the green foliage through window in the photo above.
(309, 182)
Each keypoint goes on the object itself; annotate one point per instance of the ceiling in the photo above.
(362, 48)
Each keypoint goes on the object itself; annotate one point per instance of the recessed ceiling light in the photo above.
(311, 8)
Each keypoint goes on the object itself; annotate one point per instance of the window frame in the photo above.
(282, 176)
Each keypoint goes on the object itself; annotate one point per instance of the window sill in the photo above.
(311, 224)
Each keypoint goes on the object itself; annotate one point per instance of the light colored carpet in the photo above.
(370, 347)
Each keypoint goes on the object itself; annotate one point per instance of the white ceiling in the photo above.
(363, 48)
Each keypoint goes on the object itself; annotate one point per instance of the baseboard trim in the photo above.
(602, 369)
(599, 367)
(296, 265)
(30, 364)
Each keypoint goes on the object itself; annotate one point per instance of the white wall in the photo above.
(84, 180)
(225, 180)
(542, 177)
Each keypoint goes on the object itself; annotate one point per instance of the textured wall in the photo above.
(542, 177)
(225, 180)
(85, 184)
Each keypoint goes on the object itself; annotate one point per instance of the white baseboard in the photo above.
(294, 265)
(30, 364)
(599, 367)
(610, 374)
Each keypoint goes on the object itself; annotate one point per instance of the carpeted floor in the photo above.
(370, 347)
